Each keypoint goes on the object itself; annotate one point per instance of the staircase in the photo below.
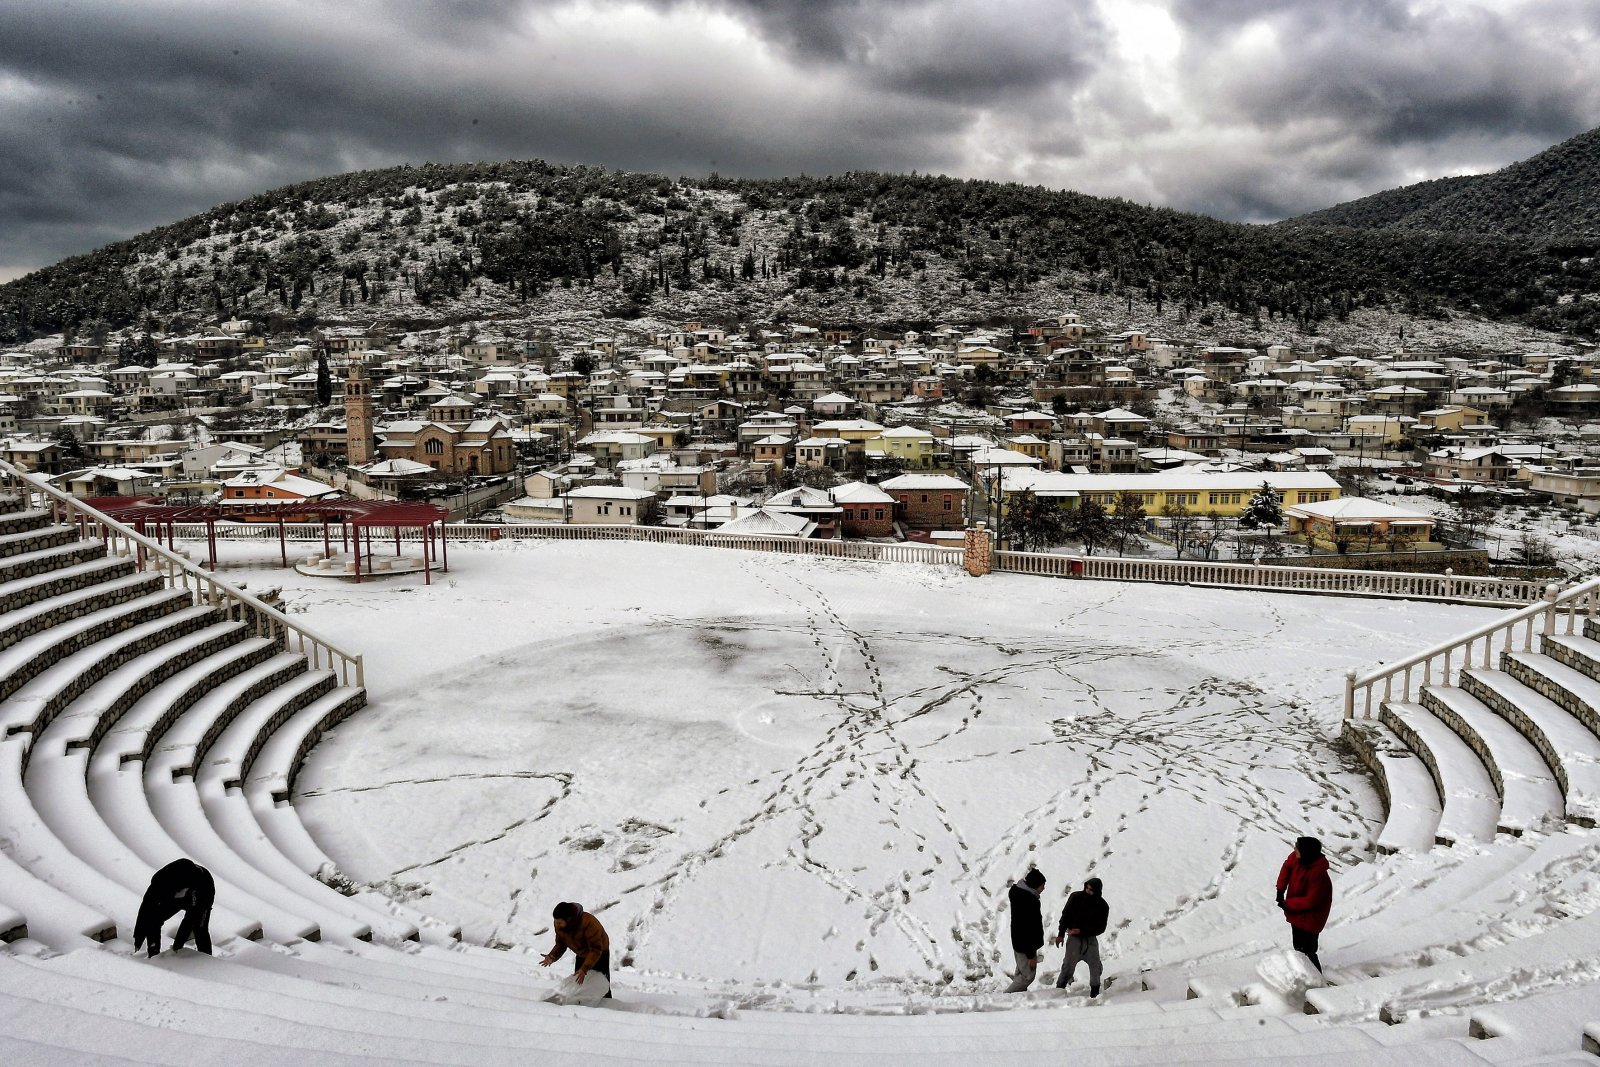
(1494, 732)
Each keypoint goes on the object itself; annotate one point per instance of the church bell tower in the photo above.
(359, 444)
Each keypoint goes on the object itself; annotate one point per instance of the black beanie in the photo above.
(1093, 883)
(1034, 878)
(567, 911)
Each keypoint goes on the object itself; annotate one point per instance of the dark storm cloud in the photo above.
(115, 117)
(977, 52)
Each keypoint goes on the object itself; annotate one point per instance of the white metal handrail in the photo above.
(1443, 663)
(203, 587)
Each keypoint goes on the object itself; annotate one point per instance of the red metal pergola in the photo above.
(356, 520)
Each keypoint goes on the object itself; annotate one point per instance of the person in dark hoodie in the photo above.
(1305, 893)
(1027, 929)
(1083, 920)
(582, 933)
(181, 885)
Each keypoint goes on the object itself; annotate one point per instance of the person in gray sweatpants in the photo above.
(1083, 920)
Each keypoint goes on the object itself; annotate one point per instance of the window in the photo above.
(878, 513)
(947, 502)
(625, 511)
(433, 447)
(238, 492)
(924, 498)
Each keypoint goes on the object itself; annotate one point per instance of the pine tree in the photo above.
(1035, 524)
(1091, 524)
(324, 379)
(1264, 511)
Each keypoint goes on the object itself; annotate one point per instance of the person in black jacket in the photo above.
(1083, 920)
(1027, 929)
(181, 885)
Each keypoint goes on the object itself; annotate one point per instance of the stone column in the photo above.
(979, 550)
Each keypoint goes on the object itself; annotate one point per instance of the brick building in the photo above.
(930, 501)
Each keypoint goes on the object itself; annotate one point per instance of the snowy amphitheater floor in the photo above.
(768, 769)
(795, 790)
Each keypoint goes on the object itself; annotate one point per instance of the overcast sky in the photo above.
(120, 115)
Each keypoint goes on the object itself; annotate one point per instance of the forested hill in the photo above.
(534, 241)
(1392, 207)
(1553, 196)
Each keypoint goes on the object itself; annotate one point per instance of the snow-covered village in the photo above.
(1133, 601)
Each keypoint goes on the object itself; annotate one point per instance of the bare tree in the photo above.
(1127, 518)
(1181, 524)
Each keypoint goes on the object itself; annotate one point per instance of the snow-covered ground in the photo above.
(819, 771)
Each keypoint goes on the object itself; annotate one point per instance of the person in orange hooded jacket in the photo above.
(1305, 893)
(582, 933)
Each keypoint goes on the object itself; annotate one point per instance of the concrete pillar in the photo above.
(979, 550)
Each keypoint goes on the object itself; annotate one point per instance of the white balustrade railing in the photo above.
(1557, 612)
(1397, 584)
(178, 572)
(1392, 584)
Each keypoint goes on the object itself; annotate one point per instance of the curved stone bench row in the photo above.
(26, 621)
(1570, 751)
(36, 535)
(24, 592)
(34, 655)
(1453, 983)
(1530, 796)
(75, 666)
(312, 1008)
(1470, 804)
(1410, 797)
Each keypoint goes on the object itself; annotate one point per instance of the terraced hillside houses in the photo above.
(482, 416)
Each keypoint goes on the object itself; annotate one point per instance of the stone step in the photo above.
(29, 659)
(1530, 796)
(154, 713)
(23, 520)
(177, 808)
(58, 919)
(31, 846)
(401, 1019)
(58, 788)
(44, 560)
(172, 745)
(35, 705)
(19, 542)
(25, 592)
(1471, 805)
(1570, 751)
(274, 759)
(230, 816)
(1577, 651)
(1569, 687)
(95, 712)
(1414, 807)
(23, 623)
(232, 751)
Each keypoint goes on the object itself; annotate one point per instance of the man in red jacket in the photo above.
(1305, 893)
